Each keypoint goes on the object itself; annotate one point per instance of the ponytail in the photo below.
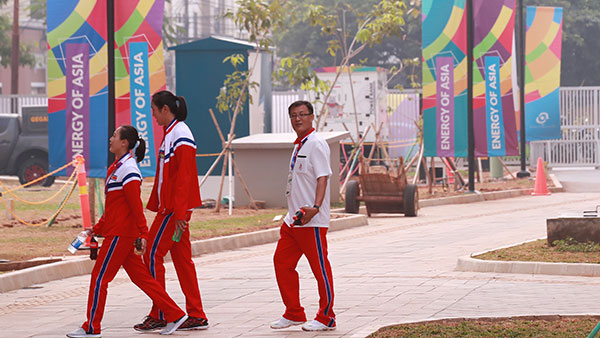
(134, 142)
(139, 150)
(176, 104)
(181, 114)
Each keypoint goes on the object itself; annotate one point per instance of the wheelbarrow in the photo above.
(382, 192)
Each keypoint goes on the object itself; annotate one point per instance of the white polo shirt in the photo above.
(312, 162)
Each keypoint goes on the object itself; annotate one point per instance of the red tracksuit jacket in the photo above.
(124, 212)
(176, 186)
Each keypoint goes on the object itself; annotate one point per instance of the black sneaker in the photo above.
(193, 323)
(150, 324)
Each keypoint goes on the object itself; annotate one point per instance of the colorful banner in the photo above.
(542, 73)
(74, 75)
(137, 24)
(493, 106)
(77, 60)
(445, 106)
(493, 37)
(405, 110)
(84, 23)
(444, 37)
(140, 102)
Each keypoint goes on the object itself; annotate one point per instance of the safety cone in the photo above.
(541, 188)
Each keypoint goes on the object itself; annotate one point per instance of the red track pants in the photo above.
(312, 243)
(115, 252)
(161, 242)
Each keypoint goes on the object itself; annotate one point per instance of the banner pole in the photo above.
(110, 44)
(521, 74)
(471, 136)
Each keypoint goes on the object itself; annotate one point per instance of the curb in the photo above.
(83, 265)
(470, 264)
(477, 196)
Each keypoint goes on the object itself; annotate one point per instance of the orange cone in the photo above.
(541, 188)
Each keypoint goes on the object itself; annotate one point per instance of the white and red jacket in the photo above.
(124, 212)
(176, 188)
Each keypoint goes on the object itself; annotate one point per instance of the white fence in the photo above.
(580, 130)
(403, 106)
(12, 104)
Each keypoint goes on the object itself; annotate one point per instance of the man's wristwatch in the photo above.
(317, 207)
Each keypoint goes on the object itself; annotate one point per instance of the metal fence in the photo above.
(12, 104)
(280, 121)
(580, 131)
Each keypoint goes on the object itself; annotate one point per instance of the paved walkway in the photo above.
(395, 270)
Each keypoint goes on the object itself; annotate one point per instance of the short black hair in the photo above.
(299, 103)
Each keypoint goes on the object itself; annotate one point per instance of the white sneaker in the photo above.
(80, 333)
(315, 325)
(282, 323)
(173, 326)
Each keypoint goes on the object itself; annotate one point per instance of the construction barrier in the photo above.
(51, 219)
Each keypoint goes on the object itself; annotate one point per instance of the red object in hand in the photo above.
(298, 217)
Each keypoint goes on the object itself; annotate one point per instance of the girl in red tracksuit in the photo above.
(122, 223)
(175, 193)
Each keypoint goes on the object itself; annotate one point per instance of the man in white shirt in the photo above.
(307, 191)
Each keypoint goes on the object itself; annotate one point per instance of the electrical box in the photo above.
(364, 88)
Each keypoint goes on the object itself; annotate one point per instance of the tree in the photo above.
(26, 57)
(402, 46)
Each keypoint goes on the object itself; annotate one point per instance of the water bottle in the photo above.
(77, 242)
(177, 235)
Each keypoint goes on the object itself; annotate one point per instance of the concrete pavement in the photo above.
(394, 270)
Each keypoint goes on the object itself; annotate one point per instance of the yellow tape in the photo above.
(83, 190)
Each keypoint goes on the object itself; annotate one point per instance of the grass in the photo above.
(567, 251)
(20, 242)
(234, 225)
(563, 327)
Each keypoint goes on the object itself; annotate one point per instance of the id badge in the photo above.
(288, 188)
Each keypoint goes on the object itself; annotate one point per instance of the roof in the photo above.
(215, 42)
(281, 140)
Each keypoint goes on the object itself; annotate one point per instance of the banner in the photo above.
(542, 73)
(77, 61)
(77, 85)
(444, 40)
(140, 103)
(139, 71)
(494, 117)
(78, 82)
(405, 110)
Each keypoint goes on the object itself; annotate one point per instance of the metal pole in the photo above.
(110, 43)
(14, 57)
(521, 75)
(470, 31)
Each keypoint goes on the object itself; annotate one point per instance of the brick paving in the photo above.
(394, 270)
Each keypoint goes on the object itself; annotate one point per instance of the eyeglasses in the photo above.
(293, 116)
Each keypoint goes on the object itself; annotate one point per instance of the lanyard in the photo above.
(296, 152)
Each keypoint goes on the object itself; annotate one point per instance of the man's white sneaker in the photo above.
(282, 323)
(315, 325)
(173, 326)
(80, 333)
